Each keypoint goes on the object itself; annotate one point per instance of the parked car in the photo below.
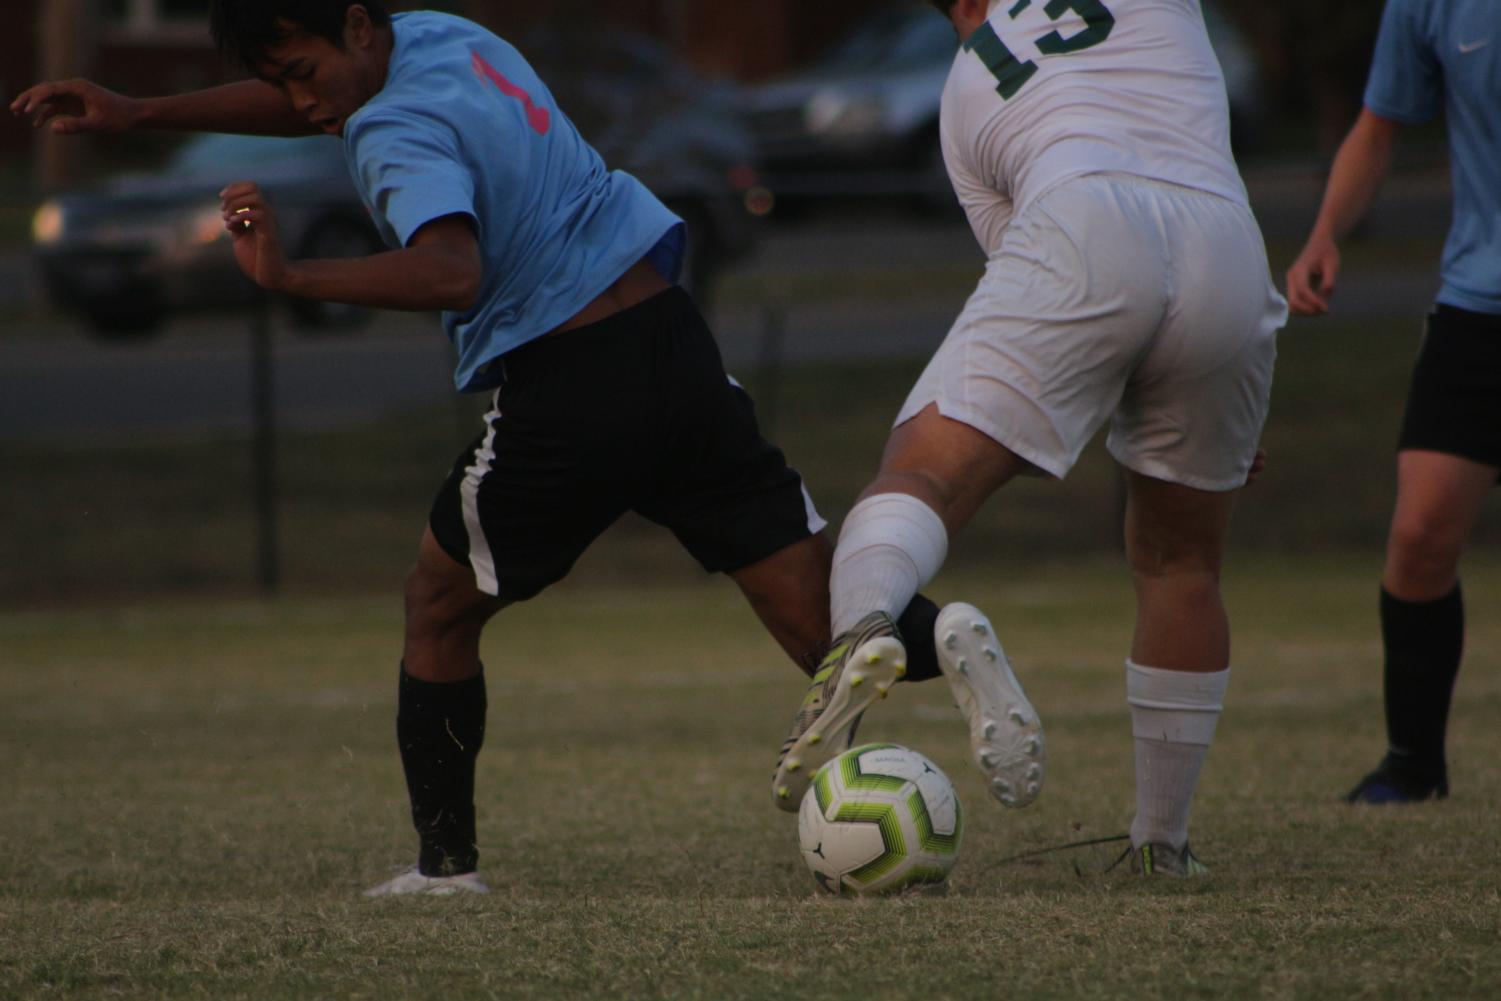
(863, 118)
(130, 253)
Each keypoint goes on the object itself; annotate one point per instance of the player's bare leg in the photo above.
(946, 464)
(789, 591)
(440, 723)
(1180, 656)
(445, 615)
(1175, 543)
(1439, 500)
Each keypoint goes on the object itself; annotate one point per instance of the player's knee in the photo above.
(432, 602)
(1423, 547)
(1156, 555)
(420, 599)
(1420, 562)
(1188, 582)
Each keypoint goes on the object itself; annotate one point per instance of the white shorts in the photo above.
(1115, 296)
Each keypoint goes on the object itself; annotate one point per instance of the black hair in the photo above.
(944, 6)
(244, 29)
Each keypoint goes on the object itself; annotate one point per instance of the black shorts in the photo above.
(634, 413)
(1454, 405)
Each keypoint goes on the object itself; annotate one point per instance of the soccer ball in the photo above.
(878, 819)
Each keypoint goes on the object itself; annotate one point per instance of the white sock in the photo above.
(890, 546)
(1173, 718)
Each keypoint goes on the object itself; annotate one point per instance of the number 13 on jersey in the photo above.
(1011, 73)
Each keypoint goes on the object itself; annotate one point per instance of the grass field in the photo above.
(197, 785)
(195, 792)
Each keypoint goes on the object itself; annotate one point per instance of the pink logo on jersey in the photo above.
(537, 118)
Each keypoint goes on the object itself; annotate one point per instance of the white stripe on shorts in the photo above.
(481, 559)
(816, 522)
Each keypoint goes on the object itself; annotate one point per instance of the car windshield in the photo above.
(899, 38)
(212, 153)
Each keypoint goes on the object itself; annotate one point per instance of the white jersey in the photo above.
(1130, 86)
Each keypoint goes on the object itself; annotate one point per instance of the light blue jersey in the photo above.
(1445, 55)
(464, 126)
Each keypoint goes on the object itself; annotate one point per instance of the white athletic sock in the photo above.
(890, 546)
(1173, 718)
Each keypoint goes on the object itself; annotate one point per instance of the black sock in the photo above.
(1424, 642)
(439, 729)
(916, 626)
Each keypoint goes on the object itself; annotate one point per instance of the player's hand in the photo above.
(1310, 280)
(70, 106)
(252, 223)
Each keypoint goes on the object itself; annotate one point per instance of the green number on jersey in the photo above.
(1008, 71)
(1098, 20)
(1011, 73)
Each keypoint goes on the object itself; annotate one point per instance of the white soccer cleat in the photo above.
(863, 664)
(1003, 727)
(413, 883)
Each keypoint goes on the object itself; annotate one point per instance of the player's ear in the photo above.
(358, 29)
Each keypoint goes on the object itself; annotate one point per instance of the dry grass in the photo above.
(195, 792)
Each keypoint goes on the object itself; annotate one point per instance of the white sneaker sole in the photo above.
(868, 676)
(412, 883)
(1004, 730)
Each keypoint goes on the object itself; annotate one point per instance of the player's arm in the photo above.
(439, 268)
(251, 107)
(1360, 166)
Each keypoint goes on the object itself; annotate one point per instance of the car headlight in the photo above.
(47, 225)
(835, 113)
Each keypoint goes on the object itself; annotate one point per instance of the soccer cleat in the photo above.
(1155, 859)
(860, 668)
(411, 882)
(1397, 780)
(1004, 730)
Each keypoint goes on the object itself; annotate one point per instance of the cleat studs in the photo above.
(901, 670)
(1035, 773)
(1032, 746)
(989, 730)
(988, 759)
(1001, 786)
(979, 628)
(951, 640)
(963, 666)
(991, 654)
(1017, 716)
(1033, 789)
(783, 792)
(856, 680)
(793, 766)
(814, 738)
(873, 658)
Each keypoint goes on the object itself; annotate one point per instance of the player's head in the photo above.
(328, 56)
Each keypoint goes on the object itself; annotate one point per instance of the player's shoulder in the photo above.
(436, 22)
(1419, 15)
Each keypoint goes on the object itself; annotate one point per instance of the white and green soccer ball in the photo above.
(880, 818)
